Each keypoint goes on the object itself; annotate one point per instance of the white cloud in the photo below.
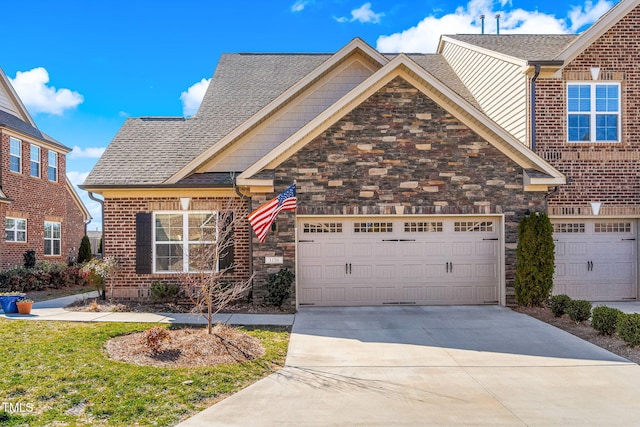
(77, 178)
(123, 114)
(363, 14)
(425, 35)
(87, 153)
(192, 98)
(588, 14)
(299, 5)
(36, 94)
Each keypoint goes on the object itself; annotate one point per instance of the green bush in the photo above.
(162, 292)
(558, 304)
(84, 253)
(279, 287)
(535, 260)
(628, 327)
(579, 310)
(29, 258)
(603, 319)
(44, 275)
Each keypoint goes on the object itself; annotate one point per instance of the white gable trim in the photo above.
(354, 46)
(593, 33)
(24, 114)
(404, 67)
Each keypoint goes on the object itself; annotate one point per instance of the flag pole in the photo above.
(295, 247)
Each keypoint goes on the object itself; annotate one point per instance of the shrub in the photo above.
(579, 310)
(535, 260)
(628, 327)
(558, 304)
(279, 287)
(161, 291)
(603, 319)
(84, 253)
(29, 258)
(154, 339)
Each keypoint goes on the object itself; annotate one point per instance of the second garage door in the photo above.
(377, 261)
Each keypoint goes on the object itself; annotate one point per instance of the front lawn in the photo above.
(58, 373)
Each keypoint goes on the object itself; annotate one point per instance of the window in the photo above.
(35, 161)
(473, 226)
(423, 227)
(612, 227)
(15, 230)
(52, 238)
(53, 166)
(593, 112)
(373, 227)
(184, 241)
(15, 155)
(569, 227)
(326, 227)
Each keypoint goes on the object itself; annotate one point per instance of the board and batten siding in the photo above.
(499, 86)
(292, 117)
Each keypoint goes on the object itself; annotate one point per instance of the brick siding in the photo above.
(398, 148)
(120, 240)
(37, 200)
(609, 172)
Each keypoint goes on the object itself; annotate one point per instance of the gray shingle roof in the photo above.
(148, 151)
(529, 47)
(12, 122)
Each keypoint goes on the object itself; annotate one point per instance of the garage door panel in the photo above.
(596, 259)
(399, 261)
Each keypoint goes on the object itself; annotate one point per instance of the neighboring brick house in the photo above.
(39, 207)
(412, 170)
(584, 110)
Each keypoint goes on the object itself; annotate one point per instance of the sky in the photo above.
(82, 67)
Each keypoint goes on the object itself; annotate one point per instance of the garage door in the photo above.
(596, 259)
(375, 261)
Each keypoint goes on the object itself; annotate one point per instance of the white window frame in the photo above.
(52, 238)
(15, 230)
(53, 166)
(37, 161)
(184, 242)
(592, 113)
(17, 141)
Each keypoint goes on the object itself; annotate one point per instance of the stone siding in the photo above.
(398, 152)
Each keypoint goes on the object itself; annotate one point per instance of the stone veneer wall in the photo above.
(120, 239)
(398, 148)
(603, 172)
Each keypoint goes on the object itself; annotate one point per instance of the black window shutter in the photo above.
(144, 244)
(227, 258)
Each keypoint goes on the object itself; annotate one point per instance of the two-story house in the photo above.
(412, 170)
(39, 208)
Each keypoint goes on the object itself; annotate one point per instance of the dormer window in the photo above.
(593, 112)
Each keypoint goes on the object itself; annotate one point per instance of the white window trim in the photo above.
(32, 161)
(15, 230)
(11, 139)
(52, 239)
(592, 111)
(185, 239)
(53, 167)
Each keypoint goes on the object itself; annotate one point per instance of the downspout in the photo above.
(546, 198)
(533, 107)
(95, 199)
(245, 197)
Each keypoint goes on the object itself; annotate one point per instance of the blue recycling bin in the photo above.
(8, 302)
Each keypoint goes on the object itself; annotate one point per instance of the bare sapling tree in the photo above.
(208, 283)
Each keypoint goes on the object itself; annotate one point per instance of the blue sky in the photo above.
(82, 67)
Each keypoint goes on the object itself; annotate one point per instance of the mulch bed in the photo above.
(127, 305)
(585, 331)
(188, 348)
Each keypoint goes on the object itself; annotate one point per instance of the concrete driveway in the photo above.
(439, 366)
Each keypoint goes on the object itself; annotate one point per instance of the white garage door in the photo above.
(596, 259)
(374, 261)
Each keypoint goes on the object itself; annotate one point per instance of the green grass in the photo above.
(52, 366)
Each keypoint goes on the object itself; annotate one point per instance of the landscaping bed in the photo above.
(584, 330)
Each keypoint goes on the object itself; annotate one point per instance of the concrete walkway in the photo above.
(54, 310)
(434, 366)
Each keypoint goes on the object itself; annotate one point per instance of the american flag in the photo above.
(262, 218)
